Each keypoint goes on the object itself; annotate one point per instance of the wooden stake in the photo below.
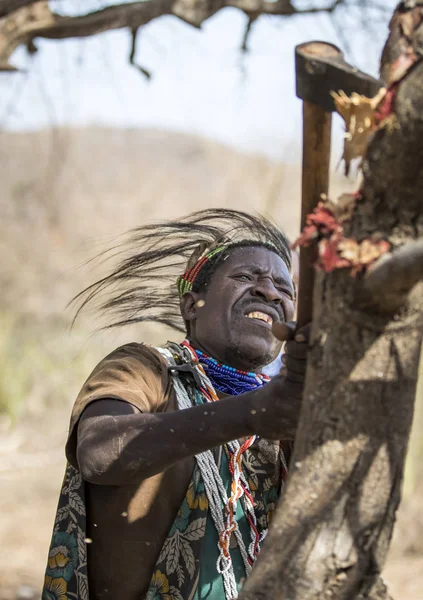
(317, 125)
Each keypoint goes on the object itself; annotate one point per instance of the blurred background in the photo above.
(89, 147)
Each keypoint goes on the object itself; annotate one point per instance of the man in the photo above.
(177, 455)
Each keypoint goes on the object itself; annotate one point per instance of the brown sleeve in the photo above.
(133, 373)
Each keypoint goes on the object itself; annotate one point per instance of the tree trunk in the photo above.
(332, 529)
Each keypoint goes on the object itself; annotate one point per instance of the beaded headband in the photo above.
(186, 281)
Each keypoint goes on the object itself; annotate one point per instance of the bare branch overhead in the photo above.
(8, 6)
(21, 21)
(134, 41)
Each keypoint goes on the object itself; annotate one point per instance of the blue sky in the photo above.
(201, 83)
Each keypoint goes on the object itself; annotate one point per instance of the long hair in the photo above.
(142, 286)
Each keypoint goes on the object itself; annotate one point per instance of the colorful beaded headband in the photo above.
(186, 281)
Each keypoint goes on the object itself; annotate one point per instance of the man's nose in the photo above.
(264, 288)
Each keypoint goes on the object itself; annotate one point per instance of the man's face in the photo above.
(250, 290)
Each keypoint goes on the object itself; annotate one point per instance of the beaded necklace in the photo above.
(227, 379)
(231, 380)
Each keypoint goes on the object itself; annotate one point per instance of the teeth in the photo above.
(261, 316)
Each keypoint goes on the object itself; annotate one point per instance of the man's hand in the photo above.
(277, 405)
(294, 358)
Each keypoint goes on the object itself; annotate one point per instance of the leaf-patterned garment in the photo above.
(66, 573)
(210, 584)
(177, 567)
(186, 568)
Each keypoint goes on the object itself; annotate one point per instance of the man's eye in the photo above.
(243, 277)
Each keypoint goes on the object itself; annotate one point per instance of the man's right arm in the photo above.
(117, 444)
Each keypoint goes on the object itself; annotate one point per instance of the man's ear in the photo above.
(189, 305)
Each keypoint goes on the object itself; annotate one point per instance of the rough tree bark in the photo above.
(332, 529)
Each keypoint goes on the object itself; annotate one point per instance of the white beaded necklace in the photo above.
(224, 519)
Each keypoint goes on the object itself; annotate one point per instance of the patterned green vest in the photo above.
(186, 567)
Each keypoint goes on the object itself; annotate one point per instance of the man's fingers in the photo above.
(303, 333)
(288, 331)
(283, 331)
(294, 365)
(296, 350)
(295, 377)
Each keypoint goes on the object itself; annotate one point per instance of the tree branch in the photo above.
(390, 280)
(328, 9)
(247, 32)
(135, 39)
(23, 20)
(37, 20)
(8, 6)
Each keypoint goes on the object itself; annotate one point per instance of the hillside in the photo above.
(67, 192)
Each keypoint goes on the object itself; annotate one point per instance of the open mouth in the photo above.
(261, 317)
